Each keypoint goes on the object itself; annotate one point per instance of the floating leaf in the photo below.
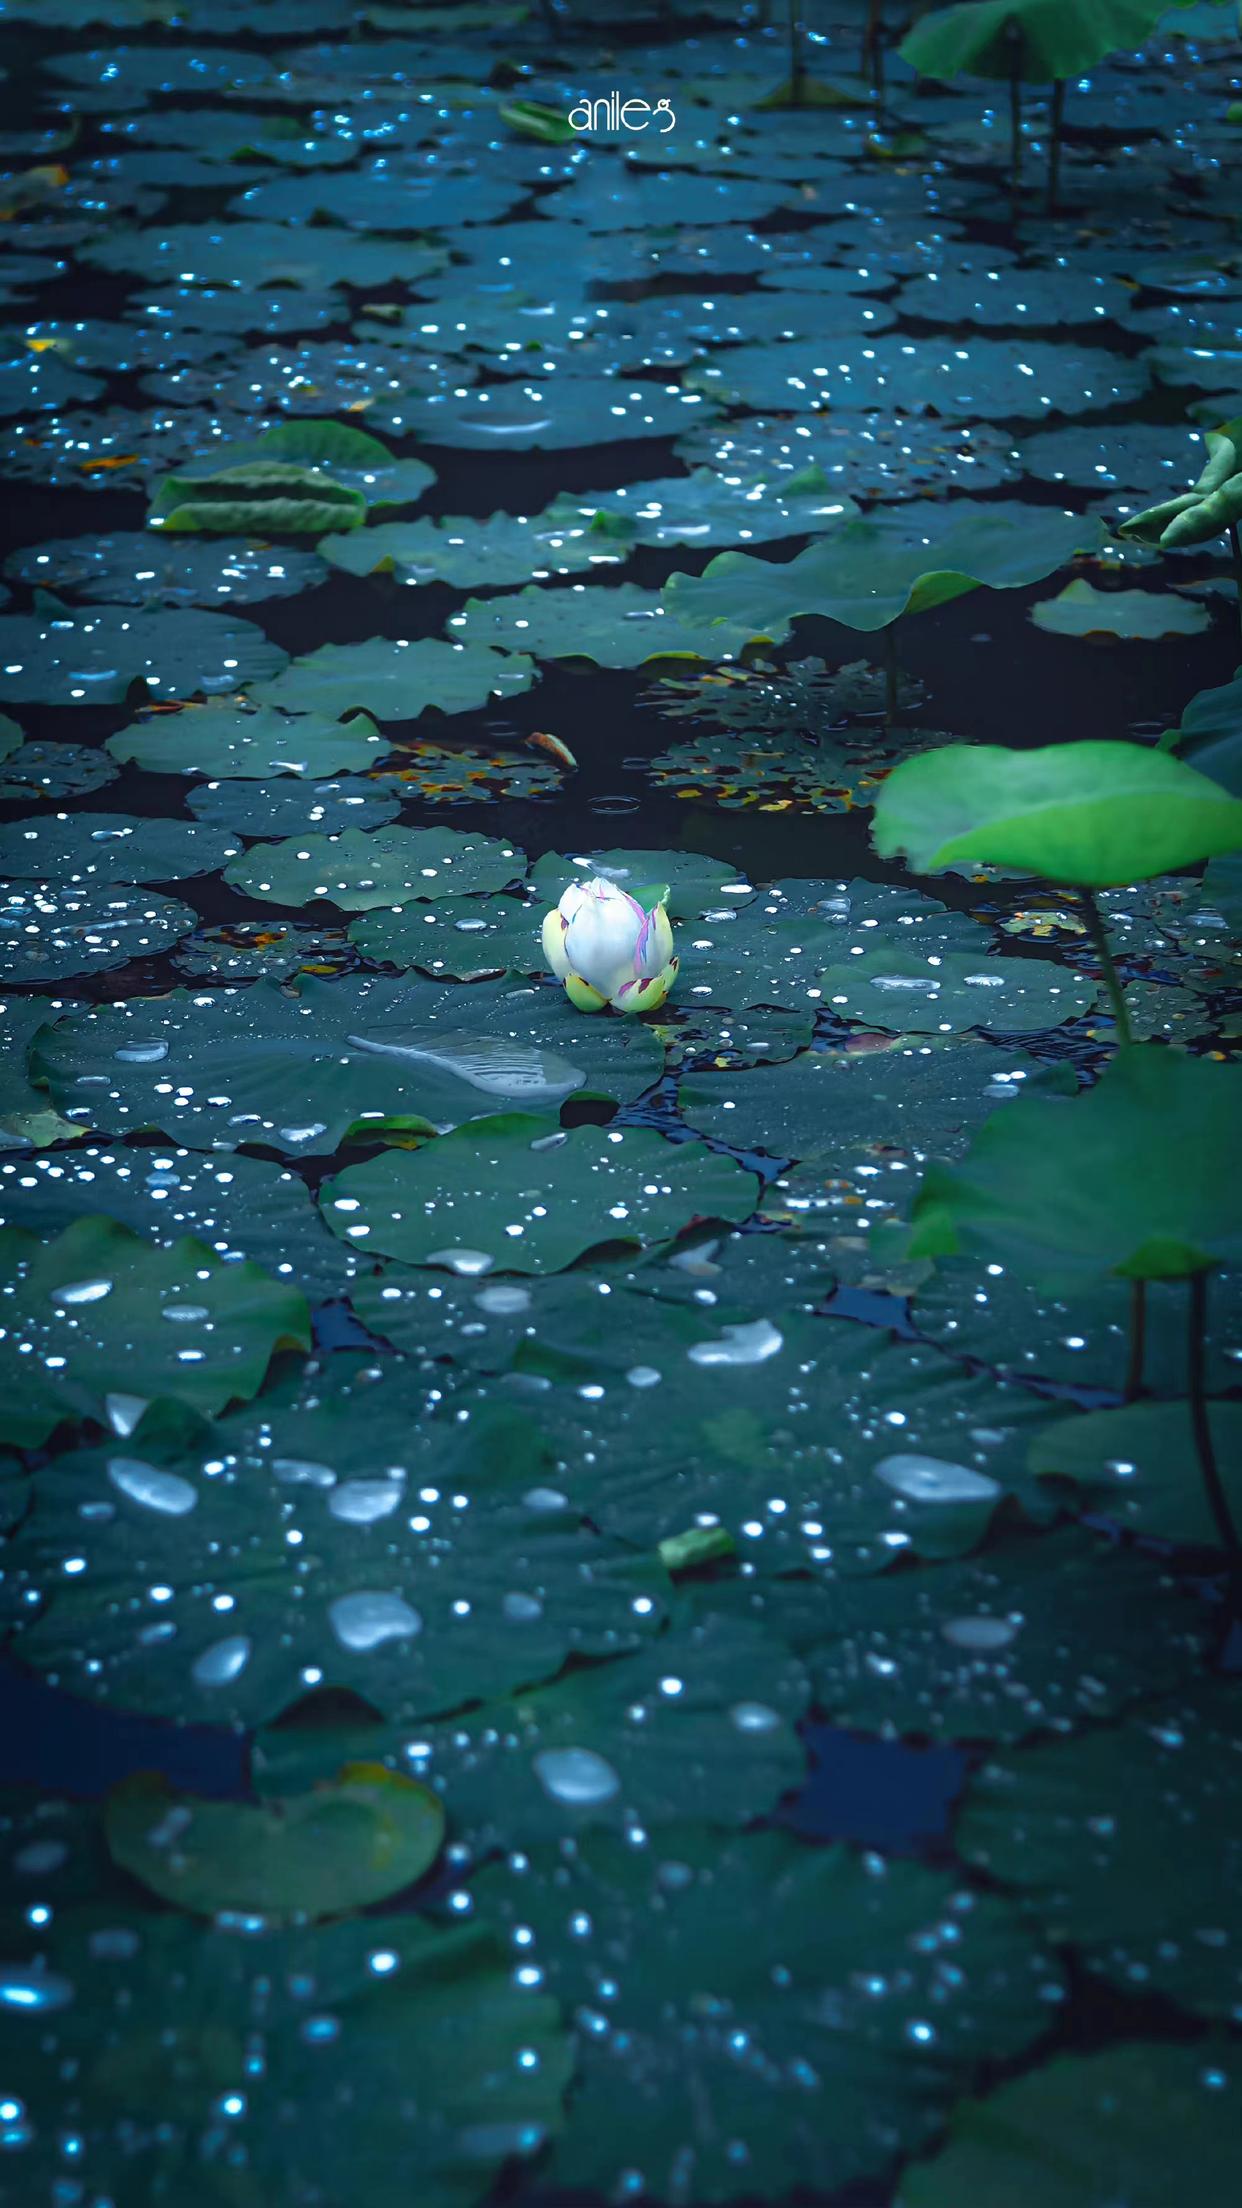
(397, 681)
(1133, 615)
(693, 882)
(939, 992)
(56, 658)
(226, 740)
(47, 932)
(359, 869)
(266, 498)
(1140, 1467)
(53, 771)
(93, 850)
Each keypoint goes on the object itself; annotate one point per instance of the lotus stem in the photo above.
(1196, 1364)
(1235, 545)
(1112, 979)
(1138, 1340)
(1056, 120)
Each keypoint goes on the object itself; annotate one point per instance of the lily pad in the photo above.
(541, 416)
(986, 379)
(396, 681)
(264, 498)
(707, 507)
(351, 458)
(260, 253)
(1090, 2129)
(615, 625)
(228, 740)
(289, 805)
(1099, 814)
(47, 932)
(694, 883)
(359, 869)
(242, 950)
(943, 992)
(1132, 615)
(98, 1301)
(857, 2061)
(1139, 1466)
(53, 771)
(1081, 1829)
(130, 568)
(58, 658)
(26, 1118)
(358, 1839)
(515, 1195)
(466, 553)
(296, 1073)
(457, 939)
(93, 850)
(1130, 1178)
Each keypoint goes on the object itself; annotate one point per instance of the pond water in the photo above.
(606, 1606)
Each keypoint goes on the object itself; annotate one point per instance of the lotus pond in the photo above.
(620, 795)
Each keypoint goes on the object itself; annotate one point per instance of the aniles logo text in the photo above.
(613, 113)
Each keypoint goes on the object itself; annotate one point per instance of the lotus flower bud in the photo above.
(609, 947)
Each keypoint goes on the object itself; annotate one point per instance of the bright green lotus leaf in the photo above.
(245, 1208)
(942, 992)
(1095, 814)
(396, 681)
(93, 850)
(1135, 616)
(1033, 1635)
(468, 553)
(530, 118)
(48, 932)
(1085, 1830)
(353, 459)
(514, 1194)
(360, 868)
(267, 498)
(1130, 2122)
(417, 2041)
(1210, 734)
(298, 1072)
(361, 1837)
(1211, 507)
(93, 656)
(695, 884)
(438, 1565)
(866, 574)
(1132, 1177)
(871, 1990)
(1044, 39)
(1140, 1467)
(100, 1305)
(230, 742)
(700, 1722)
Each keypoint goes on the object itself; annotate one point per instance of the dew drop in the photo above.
(935, 1480)
(367, 1619)
(223, 1662)
(154, 1489)
(575, 1775)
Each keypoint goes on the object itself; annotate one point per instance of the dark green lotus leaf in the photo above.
(1038, 1635)
(779, 771)
(1132, 615)
(36, 382)
(10, 736)
(47, 931)
(542, 416)
(1085, 1830)
(265, 498)
(1210, 735)
(99, 1302)
(516, 1195)
(705, 507)
(1202, 367)
(914, 457)
(359, 1838)
(990, 379)
(1098, 814)
(456, 939)
(130, 568)
(1130, 456)
(295, 1073)
(93, 850)
(615, 625)
(53, 771)
(140, 70)
(842, 1110)
(428, 1573)
(1014, 298)
(419, 2039)
(466, 553)
(398, 680)
(872, 1991)
(1140, 1467)
(26, 1117)
(359, 869)
(93, 658)
(695, 884)
(288, 806)
(947, 992)
(1222, 888)
(1131, 1178)
(245, 1208)
(236, 743)
(1086, 2130)
(243, 950)
(1047, 38)
(699, 1722)
(350, 457)
(258, 253)
(388, 195)
(866, 574)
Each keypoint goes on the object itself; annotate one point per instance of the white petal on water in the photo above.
(492, 1063)
(367, 1619)
(752, 1344)
(981, 1634)
(223, 1662)
(575, 1775)
(935, 1479)
(152, 1487)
